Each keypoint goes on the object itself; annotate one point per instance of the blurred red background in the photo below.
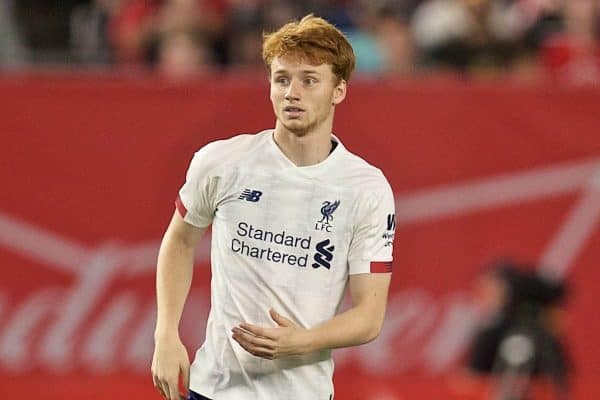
(90, 165)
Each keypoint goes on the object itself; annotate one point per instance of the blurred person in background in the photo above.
(244, 33)
(381, 37)
(131, 29)
(183, 36)
(338, 12)
(545, 18)
(481, 35)
(395, 41)
(182, 55)
(12, 51)
(361, 34)
(573, 55)
(44, 26)
(520, 332)
(279, 12)
(442, 31)
(140, 26)
(247, 20)
(89, 26)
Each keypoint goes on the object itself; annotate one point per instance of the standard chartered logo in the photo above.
(265, 251)
(240, 244)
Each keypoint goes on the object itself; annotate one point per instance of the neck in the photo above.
(304, 150)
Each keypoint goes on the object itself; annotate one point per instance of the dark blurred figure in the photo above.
(380, 35)
(132, 28)
(519, 337)
(246, 22)
(90, 42)
(395, 41)
(447, 33)
(573, 55)
(363, 36)
(476, 35)
(182, 55)
(141, 28)
(244, 33)
(12, 51)
(44, 26)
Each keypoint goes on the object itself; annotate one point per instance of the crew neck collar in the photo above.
(335, 152)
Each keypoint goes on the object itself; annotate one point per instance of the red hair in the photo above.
(312, 39)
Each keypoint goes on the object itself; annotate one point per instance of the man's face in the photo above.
(303, 95)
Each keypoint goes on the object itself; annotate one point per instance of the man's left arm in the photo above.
(358, 325)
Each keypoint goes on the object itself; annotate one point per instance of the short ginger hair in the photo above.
(314, 40)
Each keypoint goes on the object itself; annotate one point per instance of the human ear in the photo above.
(339, 92)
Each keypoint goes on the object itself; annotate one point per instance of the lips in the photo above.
(293, 109)
(293, 112)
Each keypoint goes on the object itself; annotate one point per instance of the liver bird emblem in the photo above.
(327, 211)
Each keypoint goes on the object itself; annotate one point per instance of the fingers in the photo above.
(260, 347)
(167, 387)
(280, 319)
(170, 360)
(173, 390)
(185, 374)
(252, 340)
(158, 386)
(257, 330)
(258, 351)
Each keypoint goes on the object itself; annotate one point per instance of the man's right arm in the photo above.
(173, 281)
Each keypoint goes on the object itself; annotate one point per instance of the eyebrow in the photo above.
(306, 71)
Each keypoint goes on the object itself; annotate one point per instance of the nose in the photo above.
(293, 91)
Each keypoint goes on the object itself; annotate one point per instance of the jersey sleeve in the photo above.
(372, 242)
(196, 201)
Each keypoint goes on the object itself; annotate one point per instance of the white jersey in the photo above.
(283, 237)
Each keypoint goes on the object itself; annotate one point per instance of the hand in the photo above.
(271, 343)
(170, 359)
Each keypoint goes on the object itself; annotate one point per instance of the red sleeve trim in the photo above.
(180, 207)
(381, 267)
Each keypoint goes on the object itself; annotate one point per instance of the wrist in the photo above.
(308, 342)
(162, 333)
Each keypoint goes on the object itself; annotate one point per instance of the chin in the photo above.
(297, 129)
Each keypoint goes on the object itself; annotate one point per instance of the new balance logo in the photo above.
(324, 254)
(250, 195)
(391, 222)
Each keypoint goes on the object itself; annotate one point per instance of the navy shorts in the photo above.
(196, 396)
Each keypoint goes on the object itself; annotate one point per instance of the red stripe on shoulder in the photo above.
(180, 207)
(381, 267)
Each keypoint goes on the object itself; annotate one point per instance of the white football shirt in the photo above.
(283, 237)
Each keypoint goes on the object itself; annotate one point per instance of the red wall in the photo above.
(90, 166)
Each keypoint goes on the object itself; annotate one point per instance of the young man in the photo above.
(295, 219)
